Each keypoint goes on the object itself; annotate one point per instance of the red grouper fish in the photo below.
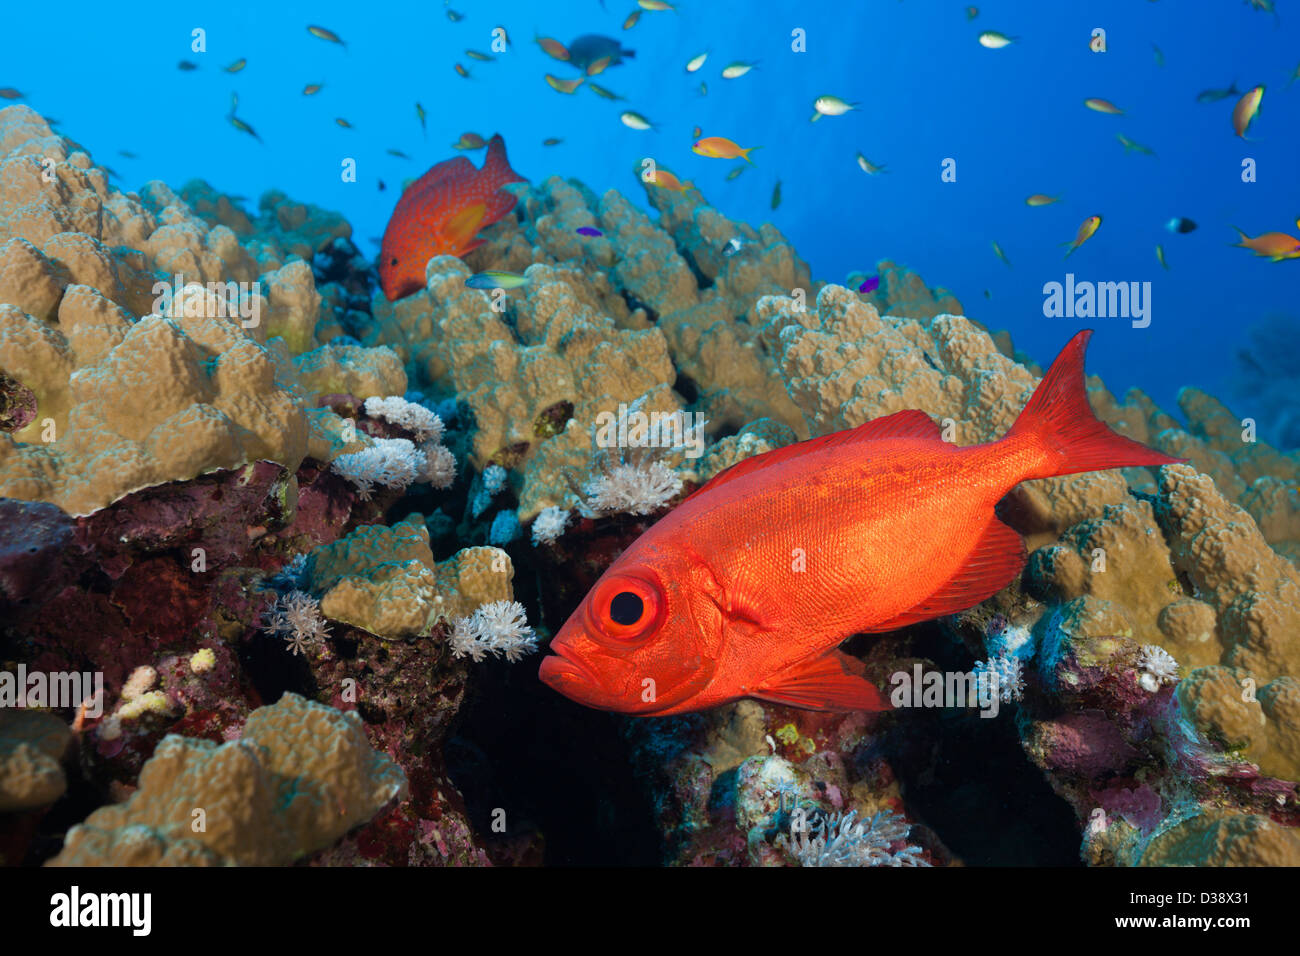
(746, 588)
(440, 214)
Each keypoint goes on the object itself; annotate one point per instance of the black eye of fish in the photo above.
(392, 262)
(626, 608)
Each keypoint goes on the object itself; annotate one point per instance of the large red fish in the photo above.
(441, 214)
(747, 587)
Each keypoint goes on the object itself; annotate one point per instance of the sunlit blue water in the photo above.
(1013, 119)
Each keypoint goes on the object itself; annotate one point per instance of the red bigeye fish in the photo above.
(748, 586)
(441, 214)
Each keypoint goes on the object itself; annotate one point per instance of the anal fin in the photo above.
(992, 564)
(823, 683)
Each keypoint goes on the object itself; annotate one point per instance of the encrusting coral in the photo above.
(300, 776)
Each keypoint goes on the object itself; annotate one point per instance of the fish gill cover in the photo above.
(819, 592)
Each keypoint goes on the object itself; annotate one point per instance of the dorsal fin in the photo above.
(448, 168)
(992, 564)
(906, 424)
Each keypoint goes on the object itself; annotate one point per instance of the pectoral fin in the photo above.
(823, 683)
(461, 228)
(993, 563)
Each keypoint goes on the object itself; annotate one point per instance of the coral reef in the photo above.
(292, 524)
(299, 777)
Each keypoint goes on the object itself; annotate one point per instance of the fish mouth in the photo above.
(570, 677)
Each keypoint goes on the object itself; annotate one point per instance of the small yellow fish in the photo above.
(455, 17)
(997, 250)
(1160, 255)
(476, 55)
(397, 152)
(1247, 108)
(719, 147)
(993, 40)
(1271, 245)
(1102, 106)
(695, 132)
(596, 67)
(832, 106)
(704, 88)
(733, 71)
(469, 141)
(564, 86)
(311, 89)
(655, 6)
(1131, 146)
(1038, 199)
(972, 13)
(1159, 54)
(868, 166)
(419, 112)
(9, 93)
(342, 122)
(552, 141)
(695, 62)
(460, 71)
(631, 20)
(323, 34)
(553, 48)
(635, 121)
(601, 91)
(1086, 229)
(776, 195)
(237, 65)
(734, 173)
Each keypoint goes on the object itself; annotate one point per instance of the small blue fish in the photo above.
(589, 231)
(870, 285)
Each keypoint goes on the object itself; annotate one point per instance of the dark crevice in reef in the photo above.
(553, 766)
(967, 778)
(701, 280)
(633, 303)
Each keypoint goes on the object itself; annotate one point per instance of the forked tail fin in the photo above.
(1059, 415)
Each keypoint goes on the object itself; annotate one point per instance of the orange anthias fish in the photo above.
(748, 586)
(1271, 245)
(719, 147)
(441, 214)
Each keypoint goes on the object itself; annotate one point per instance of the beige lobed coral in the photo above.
(300, 777)
(32, 744)
(137, 384)
(384, 580)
